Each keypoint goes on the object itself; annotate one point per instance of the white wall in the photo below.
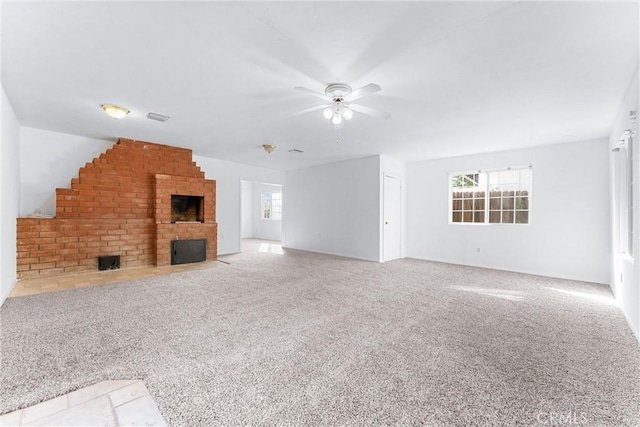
(397, 169)
(568, 234)
(246, 209)
(625, 273)
(335, 208)
(49, 160)
(9, 190)
(9, 194)
(268, 229)
(228, 176)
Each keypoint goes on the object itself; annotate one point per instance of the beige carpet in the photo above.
(308, 339)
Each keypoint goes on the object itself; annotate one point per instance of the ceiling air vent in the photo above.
(158, 117)
(296, 151)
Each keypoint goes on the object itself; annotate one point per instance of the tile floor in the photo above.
(74, 281)
(59, 283)
(108, 403)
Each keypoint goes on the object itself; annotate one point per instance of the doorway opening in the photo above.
(261, 217)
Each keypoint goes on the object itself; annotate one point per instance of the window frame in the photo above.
(624, 200)
(271, 206)
(487, 198)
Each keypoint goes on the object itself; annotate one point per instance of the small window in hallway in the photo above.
(272, 206)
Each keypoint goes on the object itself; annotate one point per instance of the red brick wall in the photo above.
(111, 209)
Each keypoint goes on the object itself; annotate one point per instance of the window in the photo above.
(630, 177)
(623, 167)
(272, 206)
(491, 197)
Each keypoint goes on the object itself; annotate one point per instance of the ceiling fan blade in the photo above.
(314, 93)
(310, 109)
(369, 111)
(364, 90)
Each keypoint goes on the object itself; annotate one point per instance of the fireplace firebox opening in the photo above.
(187, 208)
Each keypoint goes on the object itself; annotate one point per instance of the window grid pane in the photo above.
(272, 206)
(266, 205)
(508, 194)
(468, 198)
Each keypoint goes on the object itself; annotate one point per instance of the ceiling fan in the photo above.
(339, 102)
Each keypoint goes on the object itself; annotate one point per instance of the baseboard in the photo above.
(634, 330)
(7, 293)
(512, 270)
(332, 253)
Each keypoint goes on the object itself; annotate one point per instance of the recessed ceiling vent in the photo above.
(296, 151)
(158, 117)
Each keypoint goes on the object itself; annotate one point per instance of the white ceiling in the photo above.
(457, 77)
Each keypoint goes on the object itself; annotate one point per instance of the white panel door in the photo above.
(392, 218)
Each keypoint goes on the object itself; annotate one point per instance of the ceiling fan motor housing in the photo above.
(337, 90)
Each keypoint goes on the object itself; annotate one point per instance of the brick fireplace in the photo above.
(120, 204)
(166, 228)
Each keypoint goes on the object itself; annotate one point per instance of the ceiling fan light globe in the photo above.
(347, 114)
(327, 113)
(337, 119)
